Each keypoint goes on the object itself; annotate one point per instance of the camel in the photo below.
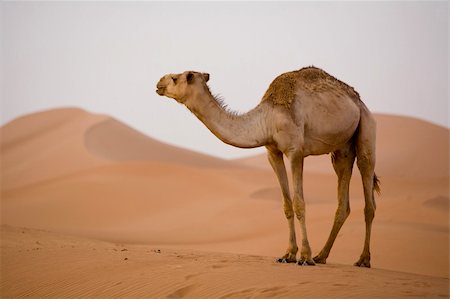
(303, 112)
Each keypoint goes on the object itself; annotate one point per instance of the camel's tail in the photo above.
(376, 184)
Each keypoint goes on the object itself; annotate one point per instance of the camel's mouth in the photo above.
(160, 91)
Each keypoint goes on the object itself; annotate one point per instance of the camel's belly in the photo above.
(329, 123)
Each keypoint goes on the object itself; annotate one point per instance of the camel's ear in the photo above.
(206, 76)
(189, 77)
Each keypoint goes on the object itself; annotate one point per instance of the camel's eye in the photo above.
(174, 79)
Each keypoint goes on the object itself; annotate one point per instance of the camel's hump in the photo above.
(312, 79)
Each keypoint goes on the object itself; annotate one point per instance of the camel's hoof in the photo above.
(287, 258)
(306, 262)
(319, 260)
(362, 262)
(284, 260)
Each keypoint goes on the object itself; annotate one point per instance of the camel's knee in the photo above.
(342, 214)
(288, 211)
(299, 208)
(369, 213)
(366, 162)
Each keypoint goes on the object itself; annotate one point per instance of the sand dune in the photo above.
(113, 140)
(45, 145)
(74, 173)
(412, 149)
(58, 142)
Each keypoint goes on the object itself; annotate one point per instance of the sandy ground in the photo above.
(76, 185)
(40, 264)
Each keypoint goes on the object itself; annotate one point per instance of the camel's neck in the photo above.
(247, 130)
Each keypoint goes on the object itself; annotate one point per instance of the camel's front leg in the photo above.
(276, 160)
(299, 207)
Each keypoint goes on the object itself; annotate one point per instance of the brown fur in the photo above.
(376, 184)
(294, 99)
(282, 90)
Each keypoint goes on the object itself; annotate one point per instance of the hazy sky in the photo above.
(106, 57)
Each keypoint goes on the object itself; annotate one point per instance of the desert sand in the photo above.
(40, 264)
(87, 202)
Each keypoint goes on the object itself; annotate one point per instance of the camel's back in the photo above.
(283, 90)
(327, 110)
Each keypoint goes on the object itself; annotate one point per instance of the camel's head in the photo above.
(181, 86)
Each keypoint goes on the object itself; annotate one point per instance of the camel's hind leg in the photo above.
(343, 164)
(276, 160)
(365, 152)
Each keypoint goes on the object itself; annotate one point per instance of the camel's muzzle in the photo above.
(160, 91)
